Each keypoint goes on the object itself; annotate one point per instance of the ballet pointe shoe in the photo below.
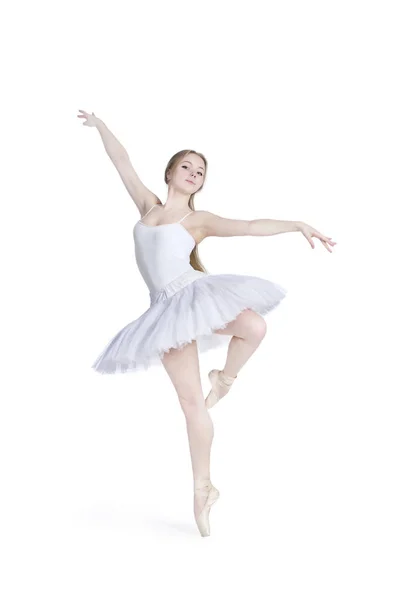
(221, 384)
(205, 490)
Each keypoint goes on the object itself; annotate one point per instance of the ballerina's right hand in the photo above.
(91, 119)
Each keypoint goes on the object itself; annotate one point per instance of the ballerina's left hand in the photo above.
(309, 232)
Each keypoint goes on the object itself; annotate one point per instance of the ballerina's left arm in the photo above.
(214, 225)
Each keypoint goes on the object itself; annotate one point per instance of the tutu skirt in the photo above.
(189, 308)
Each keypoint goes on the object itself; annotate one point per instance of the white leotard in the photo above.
(162, 254)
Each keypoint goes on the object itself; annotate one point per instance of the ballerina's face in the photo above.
(189, 174)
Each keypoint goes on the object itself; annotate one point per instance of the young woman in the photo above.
(190, 309)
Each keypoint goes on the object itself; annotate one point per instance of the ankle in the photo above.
(227, 375)
(202, 483)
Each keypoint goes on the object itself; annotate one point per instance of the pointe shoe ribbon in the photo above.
(212, 495)
(221, 385)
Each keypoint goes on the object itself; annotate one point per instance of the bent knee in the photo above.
(255, 325)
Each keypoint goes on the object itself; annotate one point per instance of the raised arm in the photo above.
(140, 194)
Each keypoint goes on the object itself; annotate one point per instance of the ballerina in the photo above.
(191, 310)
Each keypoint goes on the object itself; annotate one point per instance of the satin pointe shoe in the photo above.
(205, 490)
(221, 384)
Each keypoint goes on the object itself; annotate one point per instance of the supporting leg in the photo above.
(182, 367)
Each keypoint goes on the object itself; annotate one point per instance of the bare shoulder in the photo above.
(148, 202)
(211, 224)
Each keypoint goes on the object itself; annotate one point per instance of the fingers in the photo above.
(85, 115)
(325, 242)
(326, 246)
(326, 239)
(320, 235)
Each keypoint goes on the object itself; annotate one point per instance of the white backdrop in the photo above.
(299, 109)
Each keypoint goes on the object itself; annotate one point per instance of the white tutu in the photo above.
(189, 308)
(186, 304)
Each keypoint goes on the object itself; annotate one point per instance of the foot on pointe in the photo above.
(221, 384)
(205, 494)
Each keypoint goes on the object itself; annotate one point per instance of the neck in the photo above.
(177, 200)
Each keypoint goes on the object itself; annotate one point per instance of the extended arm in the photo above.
(140, 194)
(214, 225)
(113, 147)
(272, 226)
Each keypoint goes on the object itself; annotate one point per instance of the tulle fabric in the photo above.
(184, 311)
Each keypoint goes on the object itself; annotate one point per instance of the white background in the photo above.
(299, 109)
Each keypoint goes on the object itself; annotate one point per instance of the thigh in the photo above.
(183, 367)
(247, 324)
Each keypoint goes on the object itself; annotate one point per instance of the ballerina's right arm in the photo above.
(140, 194)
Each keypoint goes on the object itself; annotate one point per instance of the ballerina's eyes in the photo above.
(186, 167)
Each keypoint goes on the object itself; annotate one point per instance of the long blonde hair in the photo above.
(172, 164)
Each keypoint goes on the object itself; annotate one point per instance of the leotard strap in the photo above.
(148, 212)
(185, 216)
